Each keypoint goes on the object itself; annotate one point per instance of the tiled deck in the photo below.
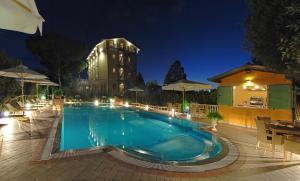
(19, 142)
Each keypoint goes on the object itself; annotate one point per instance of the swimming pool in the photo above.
(146, 135)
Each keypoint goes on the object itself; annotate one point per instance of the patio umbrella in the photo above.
(186, 85)
(136, 90)
(20, 15)
(21, 72)
(46, 82)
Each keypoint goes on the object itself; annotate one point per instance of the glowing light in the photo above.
(126, 104)
(115, 41)
(96, 103)
(111, 106)
(234, 87)
(244, 87)
(147, 108)
(6, 113)
(28, 106)
(43, 97)
(170, 118)
(111, 100)
(188, 116)
(172, 112)
(123, 133)
(28, 114)
(256, 87)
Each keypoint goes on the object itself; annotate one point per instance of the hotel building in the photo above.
(112, 67)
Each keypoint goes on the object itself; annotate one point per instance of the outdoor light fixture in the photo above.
(188, 116)
(28, 106)
(234, 87)
(28, 114)
(96, 103)
(111, 100)
(172, 112)
(147, 108)
(6, 113)
(126, 104)
(43, 97)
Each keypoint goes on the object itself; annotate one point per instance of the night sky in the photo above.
(206, 35)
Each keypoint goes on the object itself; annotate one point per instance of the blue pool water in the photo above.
(144, 134)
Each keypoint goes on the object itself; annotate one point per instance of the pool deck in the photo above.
(22, 142)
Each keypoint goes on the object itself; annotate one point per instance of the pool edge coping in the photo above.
(48, 153)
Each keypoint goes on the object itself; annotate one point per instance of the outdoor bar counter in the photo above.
(246, 116)
(269, 93)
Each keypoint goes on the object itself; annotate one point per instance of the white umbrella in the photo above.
(136, 90)
(21, 72)
(186, 85)
(20, 15)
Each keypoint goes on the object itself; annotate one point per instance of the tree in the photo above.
(10, 86)
(62, 56)
(289, 45)
(140, 81)
(153, 93)
(273, 34)
(175, 73)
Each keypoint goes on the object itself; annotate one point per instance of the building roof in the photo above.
(246, 67)
(103, 40)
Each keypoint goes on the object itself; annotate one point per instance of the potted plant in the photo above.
(214, 117)
(58, 93)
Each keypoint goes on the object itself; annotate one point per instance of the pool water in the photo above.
(144, 134)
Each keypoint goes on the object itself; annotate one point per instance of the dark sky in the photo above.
(206, 35)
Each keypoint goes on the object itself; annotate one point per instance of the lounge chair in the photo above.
(32, 108)
(264, 135)
(292, 145)
(12, 110)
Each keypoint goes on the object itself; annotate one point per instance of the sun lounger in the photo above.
(32, 108)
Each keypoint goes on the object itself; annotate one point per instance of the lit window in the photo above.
(114, 70)
(129, 59)
(113, 56)
(121, 88)
(121, 73)
(122, 45)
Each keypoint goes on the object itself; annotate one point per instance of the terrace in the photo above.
(22, 144)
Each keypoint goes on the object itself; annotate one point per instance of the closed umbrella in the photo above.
(22, 72)
(186, 85)
(136, 90)
(20, 15)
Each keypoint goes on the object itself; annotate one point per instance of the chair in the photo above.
(264, 135)
(292, 145)
(12, 109)
(32, 108)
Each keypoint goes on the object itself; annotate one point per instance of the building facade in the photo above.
(112, 67)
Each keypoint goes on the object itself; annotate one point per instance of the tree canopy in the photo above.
(63, 57)
(140, 82)
(175, 73)
(273, 34)
(9, 86)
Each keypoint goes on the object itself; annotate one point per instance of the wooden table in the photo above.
(282, 130)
